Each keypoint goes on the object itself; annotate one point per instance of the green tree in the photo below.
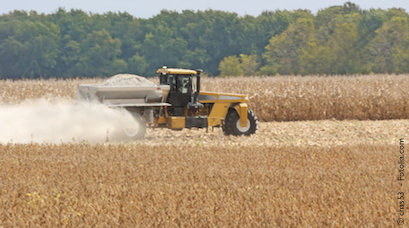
(388, 49)
(339, 40)
(30, 51)
(230, 66)
(162, 47)
(313, 58)
(99, 54)
(219, 37)
(195, 59)
(119, 25)
(68, 59)
(271, 24)
(137, 64)
(249, 64)
(283, 50)
(246, 65)
(74, 26)
(370, 22)
(342, 44)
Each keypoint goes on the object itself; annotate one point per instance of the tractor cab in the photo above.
(183, 93)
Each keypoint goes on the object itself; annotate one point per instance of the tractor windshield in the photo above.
(185, 84)
(178, 83)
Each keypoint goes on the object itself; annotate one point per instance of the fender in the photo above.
(241, 109)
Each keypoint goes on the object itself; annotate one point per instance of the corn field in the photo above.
(291, 98)
(283, 98)
(194, 186)
(338, 170)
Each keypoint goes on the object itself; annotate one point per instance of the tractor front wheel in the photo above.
(232, 124)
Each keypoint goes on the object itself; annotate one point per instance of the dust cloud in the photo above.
(60, 121)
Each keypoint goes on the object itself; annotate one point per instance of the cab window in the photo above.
(184, 84)
(163, 80)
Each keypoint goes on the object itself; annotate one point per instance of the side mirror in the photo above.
(199, 71)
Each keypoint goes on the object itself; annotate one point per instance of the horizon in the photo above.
(150, 9)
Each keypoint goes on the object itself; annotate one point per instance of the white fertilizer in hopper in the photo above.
(127, 80)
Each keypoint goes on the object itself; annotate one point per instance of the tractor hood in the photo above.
(212, 97)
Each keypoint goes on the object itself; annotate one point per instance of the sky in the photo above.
(150, 8)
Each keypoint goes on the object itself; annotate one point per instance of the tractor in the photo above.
(176, 103)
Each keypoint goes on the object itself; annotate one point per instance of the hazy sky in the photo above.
(149, 8)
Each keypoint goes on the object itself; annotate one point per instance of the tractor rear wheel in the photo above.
(232, 124)
(135, 130)
(130, 130)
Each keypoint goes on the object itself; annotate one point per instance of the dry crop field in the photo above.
(283, 98)
(335, 167)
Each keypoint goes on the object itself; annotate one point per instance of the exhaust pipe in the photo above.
(199, 71)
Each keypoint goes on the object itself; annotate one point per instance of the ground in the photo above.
(340, 170)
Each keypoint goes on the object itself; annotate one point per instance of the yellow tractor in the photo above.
(176, 103)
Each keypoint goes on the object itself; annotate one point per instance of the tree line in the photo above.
(336, 40)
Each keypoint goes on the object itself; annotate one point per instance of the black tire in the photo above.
(130, 131)
(232, 123)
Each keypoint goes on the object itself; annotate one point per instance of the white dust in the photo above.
(59, 121)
